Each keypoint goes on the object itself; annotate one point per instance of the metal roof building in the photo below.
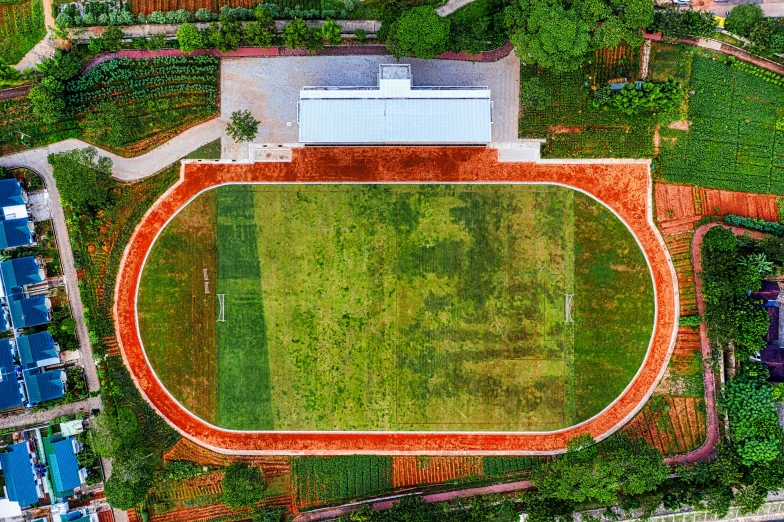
(18, 474)
(395, 112)
(20, 272)
(64, 468)
(37, 350)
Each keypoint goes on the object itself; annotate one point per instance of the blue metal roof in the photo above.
(18, 474)
(29, 312)
(19, 272)
(36, 347)
(63, 467)
(43, 386)
(75, 516)
(10, 193)
(10, 396)
(14, 233)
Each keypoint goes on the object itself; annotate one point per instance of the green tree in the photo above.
(112, 38)
(419, 32)
(242, 127)
(83, 178)
(130, 481)
(743, 18)
(593, 11)
(330, 31)
(243, 486)
(600, 472)
(226, 36)
(295, 34)
(545, 33)
(47, 100)
(637, 14)
(315, 41)
(61, 66)
(261, 31)
(106, 125)
(189, 37)
(156, 42)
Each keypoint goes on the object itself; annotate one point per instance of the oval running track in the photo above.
(624, 186)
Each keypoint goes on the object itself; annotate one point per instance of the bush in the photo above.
(330, 31)
(769, 227)
(419, 32)
(243, 486)
(189, 38)
(360, 34)
(650, 97)
(295, 34)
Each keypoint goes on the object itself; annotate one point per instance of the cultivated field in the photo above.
(21, 27)
(395, 307)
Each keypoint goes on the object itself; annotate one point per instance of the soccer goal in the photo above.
(222, 312)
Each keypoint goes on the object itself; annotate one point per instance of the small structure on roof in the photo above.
(37, 350)
(395, 112)
(19, 273)
(30, 311)
(15, 233)
(64, 471)
(44, 386)
(10, 392)
(18, 473)
(71, 428)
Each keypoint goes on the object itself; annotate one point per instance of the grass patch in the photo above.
(670, 61)
(419, 307)
(615, 307)
(183, 352)
(244, 400)
(211, 150)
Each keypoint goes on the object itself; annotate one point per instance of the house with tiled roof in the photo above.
(20, 273)
(44, 386)
(16, 232)
(19, 474)
(37, 350)
(65, 474)
(30, 311)
(10, 391)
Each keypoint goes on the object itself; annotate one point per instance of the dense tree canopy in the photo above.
(83, 178)
(743, 18)
(600, 472)
(419, 32)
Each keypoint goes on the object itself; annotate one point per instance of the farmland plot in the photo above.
(407, 307)
(21, 27)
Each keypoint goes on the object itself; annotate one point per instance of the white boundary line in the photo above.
(604, 435)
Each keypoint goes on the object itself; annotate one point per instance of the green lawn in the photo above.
(417, 307)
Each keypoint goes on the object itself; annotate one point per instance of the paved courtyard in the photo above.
(269, 88)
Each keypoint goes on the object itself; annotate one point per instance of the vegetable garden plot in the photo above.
(324, 480)
(732, 142)
(21, 27)
(148, 6)
(417, 471)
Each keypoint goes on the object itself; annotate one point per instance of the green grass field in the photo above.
(399, 307)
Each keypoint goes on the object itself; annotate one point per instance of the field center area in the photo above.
(395, 307)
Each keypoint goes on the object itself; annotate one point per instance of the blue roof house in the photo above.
(30, 311)
(10, 394)
(37, 350)
(16, 233)
(11, 193)
(20, 272)
(64, 472)
(44, 386)
(18, 474)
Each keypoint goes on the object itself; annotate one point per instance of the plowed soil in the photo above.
(626, 188)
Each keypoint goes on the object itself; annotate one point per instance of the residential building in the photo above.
(65, 475)
(79, 516)
(44, 386)
(13, 200)
(19, 474)
(11, 394)
(30, 311)
(16, 232)
(16, 227)
(37, 350)
(20, 273)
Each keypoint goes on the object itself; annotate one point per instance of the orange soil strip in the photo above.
(623, 187)
(414, 471)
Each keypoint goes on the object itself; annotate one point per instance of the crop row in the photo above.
(319, 480)
(495, 466)
(78, 105)
(127, 68)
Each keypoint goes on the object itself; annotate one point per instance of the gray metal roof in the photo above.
(395, 120)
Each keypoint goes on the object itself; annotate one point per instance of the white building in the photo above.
(395, 112)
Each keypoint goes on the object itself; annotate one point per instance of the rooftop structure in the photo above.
(37, 350)
(15, 233)
(395, 112)
(63, 467)
(20, 272)
(18, 474)
(30, 311)
(44, 386)
(10, 393)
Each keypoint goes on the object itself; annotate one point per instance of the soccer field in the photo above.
(395, 307)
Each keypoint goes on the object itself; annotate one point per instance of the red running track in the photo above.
(624, 187)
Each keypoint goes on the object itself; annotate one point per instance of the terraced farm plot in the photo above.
(396, 307)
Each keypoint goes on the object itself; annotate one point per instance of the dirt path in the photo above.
(624, 187)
